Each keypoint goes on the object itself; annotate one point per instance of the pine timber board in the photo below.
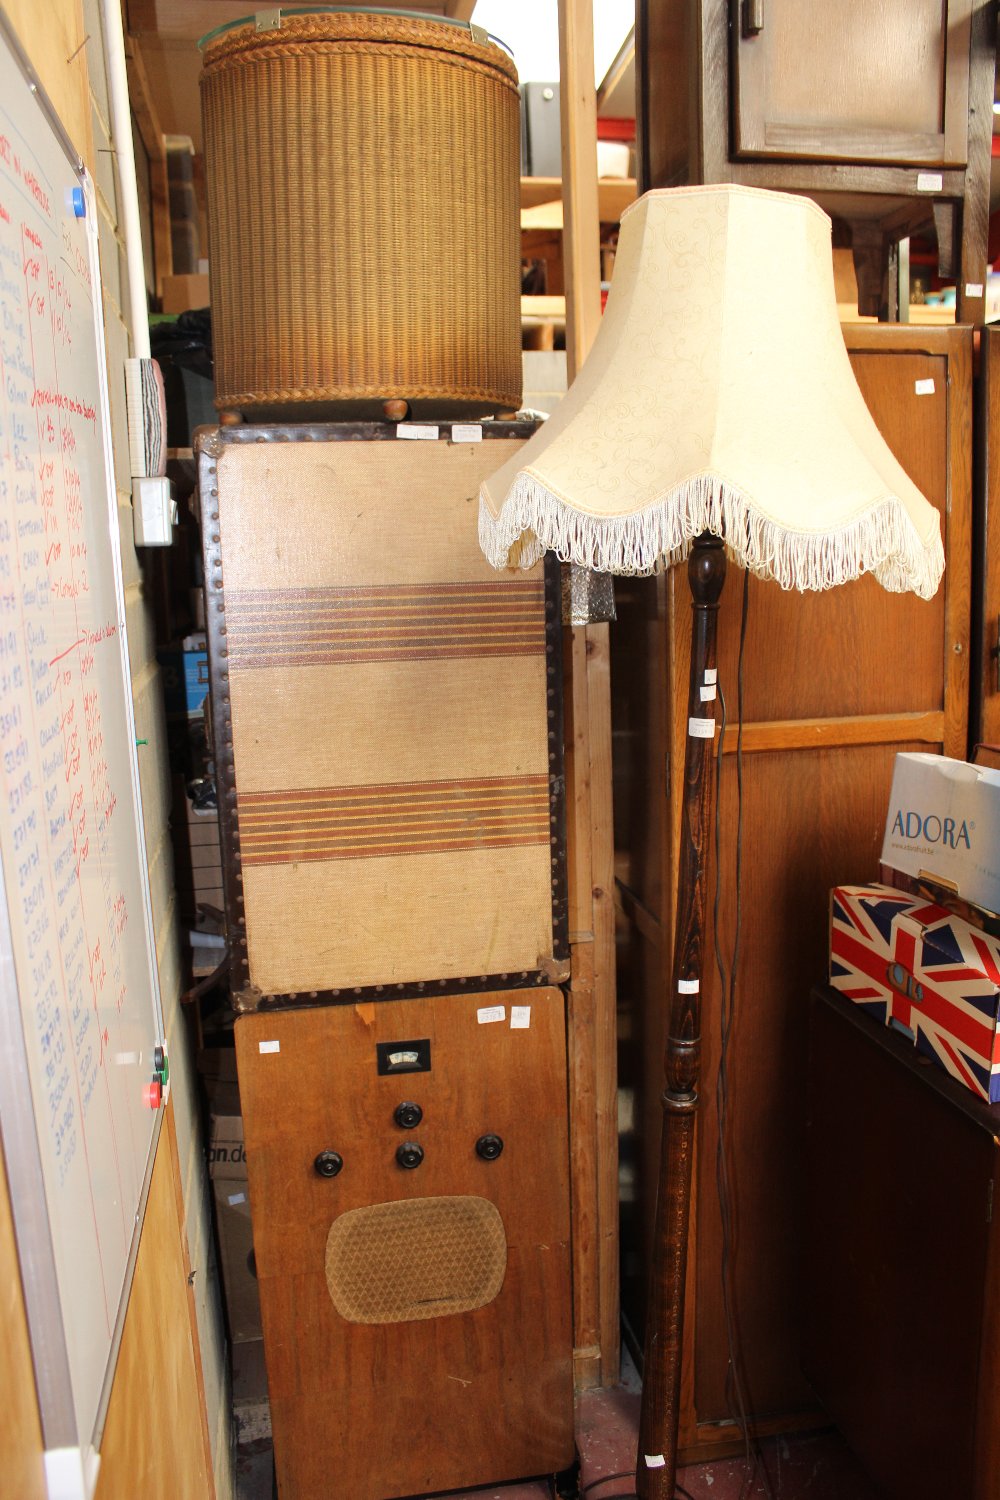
(591, 1011)
(152, 136)
(156, 1441)
(54, 36)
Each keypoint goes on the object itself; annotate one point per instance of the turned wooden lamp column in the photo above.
(717, 413)
(661, 1379)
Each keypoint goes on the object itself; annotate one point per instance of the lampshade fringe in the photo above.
(882, 540)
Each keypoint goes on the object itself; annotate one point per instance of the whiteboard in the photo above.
(79, 1004)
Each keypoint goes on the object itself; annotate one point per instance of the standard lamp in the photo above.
(716, 413)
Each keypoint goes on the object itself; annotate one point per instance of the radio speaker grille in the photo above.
(421, 1258)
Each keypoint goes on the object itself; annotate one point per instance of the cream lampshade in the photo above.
(718, 396)
(716, 412)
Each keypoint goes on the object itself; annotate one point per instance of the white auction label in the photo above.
(466, 432)
(711, 674)
(269, 1046)
(416, 430)
(973, 288)
(929, 182)
(487, 1013)
(709, 692)
(520, 1017)
(688, 986)
(701, 729)
(924, 387)
(655, 1461)
(235, 1198)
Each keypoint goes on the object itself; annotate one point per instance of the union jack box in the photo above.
(915, 966)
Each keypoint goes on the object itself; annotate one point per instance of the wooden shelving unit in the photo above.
(614, 194)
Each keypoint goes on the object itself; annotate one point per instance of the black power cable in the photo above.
(626, 1494)
(735, 1380)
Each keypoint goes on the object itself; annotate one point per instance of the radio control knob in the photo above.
(489, 1147)
(409, 1155)
(328, 1163)
(407, 1116)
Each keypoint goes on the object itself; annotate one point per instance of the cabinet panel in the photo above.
(891, 658)
(859, 81)
(835, 686)
(810, 820)
(897, 1369)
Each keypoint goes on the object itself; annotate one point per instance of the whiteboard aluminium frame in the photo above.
(71, 1457)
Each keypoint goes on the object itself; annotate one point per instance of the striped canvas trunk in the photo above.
(386, 713)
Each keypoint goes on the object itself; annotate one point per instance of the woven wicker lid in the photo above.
(452, 41)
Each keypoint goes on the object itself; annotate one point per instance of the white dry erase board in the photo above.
(79, 1005)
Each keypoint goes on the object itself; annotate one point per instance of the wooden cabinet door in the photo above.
(861, 80)
(897, 1369)
(835, 685)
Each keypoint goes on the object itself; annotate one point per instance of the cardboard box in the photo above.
(915, 966)
(239, 1276)
(228, 1171)
(944, 823)
(185, 293)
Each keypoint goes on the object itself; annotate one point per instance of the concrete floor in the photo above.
(812, 1466)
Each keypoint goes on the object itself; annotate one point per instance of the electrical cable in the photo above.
(734, 1385)
(607, 1479)
(735, 1382)
(594, 1484)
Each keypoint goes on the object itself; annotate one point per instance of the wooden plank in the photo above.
(152, 136)
(155, 1441)
(20, 1428)
(54, 37)
(581, 227)
(580, 1016)
(973, 267)
(605, 1015)
(141, 99)
(870, 729)
(592, 1008)
(614, 194)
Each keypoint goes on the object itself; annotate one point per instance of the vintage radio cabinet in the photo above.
(409, 1182)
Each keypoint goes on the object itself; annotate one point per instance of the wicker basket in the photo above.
(363, 214)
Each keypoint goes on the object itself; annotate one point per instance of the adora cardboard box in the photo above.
(944, 823)
(227, 1169)
(915, 966)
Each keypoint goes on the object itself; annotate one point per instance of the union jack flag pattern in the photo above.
(915, 966)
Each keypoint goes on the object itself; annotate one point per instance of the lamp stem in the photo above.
(656, 1463)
